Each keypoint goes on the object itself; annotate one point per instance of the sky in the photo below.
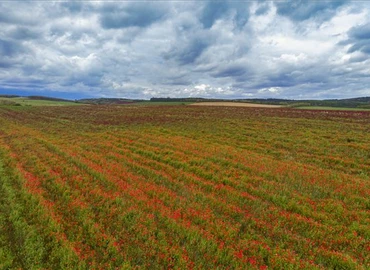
(292, 49)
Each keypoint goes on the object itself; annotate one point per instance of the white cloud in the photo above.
(183, 49)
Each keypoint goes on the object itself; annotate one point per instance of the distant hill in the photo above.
(188, 99)
(9, 96)
(107, 101)
(360, 102)
(12, 100)
(47, 98)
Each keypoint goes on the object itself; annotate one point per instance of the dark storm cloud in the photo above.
(10, 17)
(282, 80)
(73, 7)
(358, 58)
(187, 52)
(359, 38)
(20, 82)
(9, 48)
(242, 13)
(24, 33)
(6, 17)
(178, 81)
(290, 79)
(361, 32)
(134, 14)
(262, 9)
(89, 80)
(213, 11)
(300, 10)
(5, 63)
(362, 45)
(234, 70)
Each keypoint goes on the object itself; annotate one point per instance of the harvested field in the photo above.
(236, 104)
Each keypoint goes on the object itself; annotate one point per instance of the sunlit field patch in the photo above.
(162, 187)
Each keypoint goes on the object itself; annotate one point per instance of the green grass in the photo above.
(159, 103)
(23, 101)
(183, 187)
(331, 108)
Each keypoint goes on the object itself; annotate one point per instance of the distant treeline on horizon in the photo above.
(360, 102)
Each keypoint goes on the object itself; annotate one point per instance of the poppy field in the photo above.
(183, 187)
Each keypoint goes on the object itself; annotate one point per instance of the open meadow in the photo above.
(184, 187)
(24, 101)
(235, 104)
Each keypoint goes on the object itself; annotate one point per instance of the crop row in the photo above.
(104, 190)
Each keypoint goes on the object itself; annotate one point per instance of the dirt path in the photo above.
(235, 104)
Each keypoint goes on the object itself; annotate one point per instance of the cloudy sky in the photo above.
(223, 49)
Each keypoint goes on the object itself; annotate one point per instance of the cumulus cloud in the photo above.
(359, 39)
(227, 49)
(131, 14)
(300, 10)
(238, 12)
(188, 50)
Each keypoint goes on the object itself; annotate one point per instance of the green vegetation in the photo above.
(25, 101)
(190, 99)
(362, 103)
(107, 101)
(183, 187)
(162, 103)
(122, 101)
(332, 108)
(359, 103)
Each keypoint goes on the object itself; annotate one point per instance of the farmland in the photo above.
(25, 101)
(235, 104)
(184, 187)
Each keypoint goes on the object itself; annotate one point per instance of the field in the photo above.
(23, 101)
(332, 108)
(164, 103)
(235, 104)
(183, 187)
